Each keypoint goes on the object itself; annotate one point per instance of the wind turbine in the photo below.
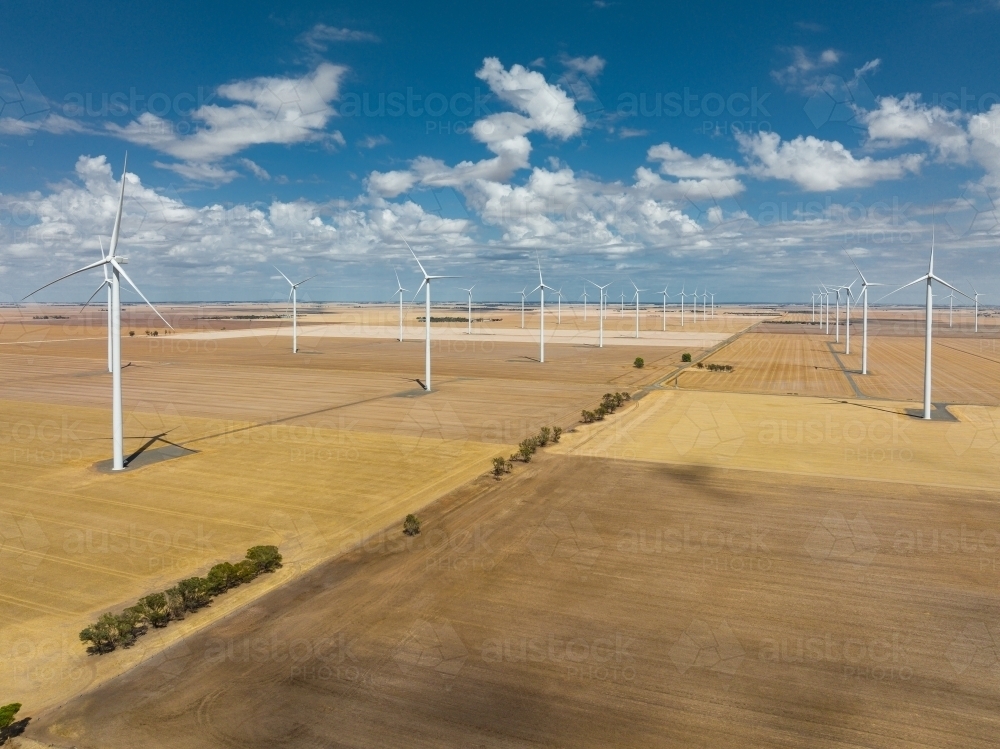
(469, 290)
(864, 329)
(847, 316)
(977, 306)
(812, 300)
(637, 290)
(683, 295)
(622, 313)
(293, 295)
(826, 305)
(951, 308)
(584, 295)
(105, 284)
(928, 278)
(400, 290)
(713, 303)
(665, 296)
(522, 306)
(559, 317)
(600, 316)
(704, 305)
(116, 274)
(427, 313)
(541, 321)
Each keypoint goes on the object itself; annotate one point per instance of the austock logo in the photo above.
(23, 544)
(703, 646)
(977, 647)
(426, 427)
(432, 645)
(837, 539)
(561, 538)
(705, 428)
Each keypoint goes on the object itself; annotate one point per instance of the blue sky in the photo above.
(743, 148)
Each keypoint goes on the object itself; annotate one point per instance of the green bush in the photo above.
(7, 713)
(544, 436)
(194, 592)
(411, 525)
(639, 362)
(155, 610)
(103, 635)
(266, 558)
(685, 357)
(222, 577)
(556, 433)
(246, 570)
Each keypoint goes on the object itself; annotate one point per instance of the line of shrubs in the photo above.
(159, 609)
(526, 449)
(610, 403)
(715, 367)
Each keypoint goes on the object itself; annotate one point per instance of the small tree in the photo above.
(411, 525)
(129, 624)
(175, 603)
(194, 592)
(266, 558)
(103, 635)
(685, 357)
(639, 362)
(7, 713)
(544, 436)
(131, 333)
(556, 433)
(246, 570)
(600, 413)
(222, 577)
(499, 467)
(587, 416)
(154, 609)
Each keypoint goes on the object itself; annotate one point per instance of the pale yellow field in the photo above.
(837, 438)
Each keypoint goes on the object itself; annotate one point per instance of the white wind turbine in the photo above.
(541, 319)
(683, 295)
(426, 282)
(704, 305)
(665, 297)
(813, 302)
(864, 328)
(928, 278)
(293, 296)
(951, 308)
(522, 306)
(469, 292)
(977, 295)
(400, 290)
(847, 315)
(637, 290)
(600, 315)
(622, 313)
(826, 306)
(117, 273)
(713, 304)
(559, 315)
(584, 295)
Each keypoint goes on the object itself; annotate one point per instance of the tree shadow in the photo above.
(14, 730)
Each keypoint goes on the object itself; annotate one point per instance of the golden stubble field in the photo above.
(312, 452)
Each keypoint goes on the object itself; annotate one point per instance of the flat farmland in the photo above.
(799, 364)
(714, 607)
(312, 452)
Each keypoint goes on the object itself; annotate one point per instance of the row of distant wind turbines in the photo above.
(111, 264)
(825, 292)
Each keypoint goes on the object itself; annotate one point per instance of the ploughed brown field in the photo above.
(595, 602)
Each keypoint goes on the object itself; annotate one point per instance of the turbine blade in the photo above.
(81, 270)
(414, 255)
(282, 274)
(911, 283)
(131, 283)
(91, 298)
(113, 247)
(308, 279)
(942, 281)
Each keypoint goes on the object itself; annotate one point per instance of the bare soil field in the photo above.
(600, 602)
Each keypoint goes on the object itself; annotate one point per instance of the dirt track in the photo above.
(590, 602)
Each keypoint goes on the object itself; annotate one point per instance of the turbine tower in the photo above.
(469, 291)
(293, 296)
(559, 314)
(522, 306)
(600, 316)
(637, 290)
(114, 262)
(864, 328)
(713, 303)
(427, 313)
(584, 295)
(665, 296)
(400, 290)
(683, 295)
(928, 278)
(847, 316)
(977, 295)
(541, 320)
